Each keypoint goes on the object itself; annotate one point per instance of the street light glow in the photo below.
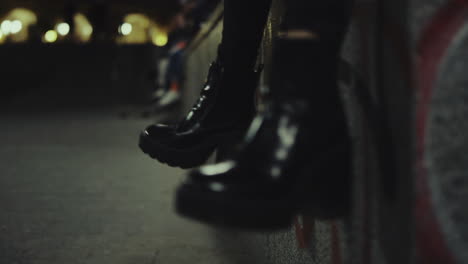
(5, 27)
(126, 29)
(63, 29)
(160, 40)
(16, 26)
(50, 36)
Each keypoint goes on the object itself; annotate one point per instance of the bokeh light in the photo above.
(83, 28)
(5, 27)
(63, 29)
(16, 26)
(26, 16)
(135, 29)
(50, 36)
(160, 40)
(126, 29)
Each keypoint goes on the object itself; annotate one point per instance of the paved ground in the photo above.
(74, 188)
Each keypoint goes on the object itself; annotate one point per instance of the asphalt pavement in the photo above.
(75, 188)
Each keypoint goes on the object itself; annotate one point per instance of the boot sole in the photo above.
(186, 158)
(269, 214)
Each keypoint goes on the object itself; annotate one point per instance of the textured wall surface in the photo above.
(441, 105)
(447, 145)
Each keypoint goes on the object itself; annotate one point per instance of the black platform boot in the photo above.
(281, 172)
(222, 113)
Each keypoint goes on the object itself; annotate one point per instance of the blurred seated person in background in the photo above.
(183, 28)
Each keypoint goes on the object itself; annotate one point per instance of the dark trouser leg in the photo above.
(306, 55)
(308, 45)
(321, 16)
(244, 23)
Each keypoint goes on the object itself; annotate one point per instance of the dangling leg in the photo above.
(244, 24)
(225, 107)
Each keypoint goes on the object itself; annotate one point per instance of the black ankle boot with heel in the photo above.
(281, 171)
(222, 113)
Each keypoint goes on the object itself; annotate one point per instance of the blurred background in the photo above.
(65, 53)
(79, 80)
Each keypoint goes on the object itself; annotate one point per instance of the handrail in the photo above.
(205, 31)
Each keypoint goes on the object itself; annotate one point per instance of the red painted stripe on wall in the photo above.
(436, 39)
